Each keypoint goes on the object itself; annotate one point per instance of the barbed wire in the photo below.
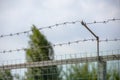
(60, 44)
(104, 22)
(56, 25)
(106, 40)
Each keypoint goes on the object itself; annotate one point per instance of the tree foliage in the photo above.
(88, 71)
(80, 72)
(5, 75)
(38, 52)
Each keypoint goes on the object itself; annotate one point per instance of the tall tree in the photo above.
(40, 49)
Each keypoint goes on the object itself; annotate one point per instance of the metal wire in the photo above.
(57, 25)
(104, 22)
(60, 44)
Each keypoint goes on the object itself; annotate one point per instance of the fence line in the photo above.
(63, 60)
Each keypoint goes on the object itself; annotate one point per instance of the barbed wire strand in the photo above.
(56, 25)
(61, 44)
(105, 21)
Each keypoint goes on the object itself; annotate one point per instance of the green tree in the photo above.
(40, 50)
(5, 75)
(80, 72)
(18, 77)
(88, 71)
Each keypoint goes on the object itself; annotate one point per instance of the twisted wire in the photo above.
(57, 25)
(61, 44)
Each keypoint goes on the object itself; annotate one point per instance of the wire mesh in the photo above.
(80, 66)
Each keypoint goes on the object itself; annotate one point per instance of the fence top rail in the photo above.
(60, 62)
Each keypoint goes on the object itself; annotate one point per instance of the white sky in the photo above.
(20, 15)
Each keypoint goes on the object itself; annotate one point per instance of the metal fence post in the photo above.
(102, 70)
(101, 65)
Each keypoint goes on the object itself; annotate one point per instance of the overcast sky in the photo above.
(20, 15)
